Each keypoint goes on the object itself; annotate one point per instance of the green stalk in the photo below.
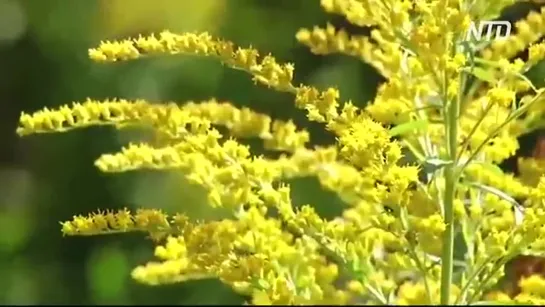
(447, 256)
(451, 178)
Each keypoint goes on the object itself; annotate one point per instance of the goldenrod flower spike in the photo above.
(330, 40)
(265, 70)
(528, 31)
(278, 135)
(321, 106)
(394, 241)
(154, 222)
(169, 119)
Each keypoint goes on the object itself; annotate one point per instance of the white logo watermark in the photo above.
(503, 30)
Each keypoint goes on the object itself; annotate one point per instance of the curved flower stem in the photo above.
(514, 115)
(420, 265)
(467, 140)
(469, 282)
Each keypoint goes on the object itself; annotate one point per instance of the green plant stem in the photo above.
(447, 255)
(423, 271)
(467, 140)
(451, 178)
(469, 282)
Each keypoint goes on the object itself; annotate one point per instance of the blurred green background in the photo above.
(48, 178)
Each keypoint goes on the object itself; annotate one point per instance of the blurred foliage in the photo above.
(49, 178)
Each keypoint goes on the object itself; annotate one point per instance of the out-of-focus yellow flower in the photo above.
(118, 19)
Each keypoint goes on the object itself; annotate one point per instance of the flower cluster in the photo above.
(457, 108)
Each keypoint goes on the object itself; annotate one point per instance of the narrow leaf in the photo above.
(491, 167)
(432, 164)
(494, 191)
(407, 127)
(482, 74)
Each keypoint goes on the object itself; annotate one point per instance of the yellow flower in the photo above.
(501, 96)
(411, 293)
(417, 159)
(533, 285)
(528, 30)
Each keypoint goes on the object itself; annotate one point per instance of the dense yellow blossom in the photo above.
(528, 31)
(411, 293)
(531, 292)
(457, 108)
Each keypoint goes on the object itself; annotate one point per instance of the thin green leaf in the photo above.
(407, 127)
(491, 167)
(482, 74)
(433, 164)
(494, 191)
(438, 162)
